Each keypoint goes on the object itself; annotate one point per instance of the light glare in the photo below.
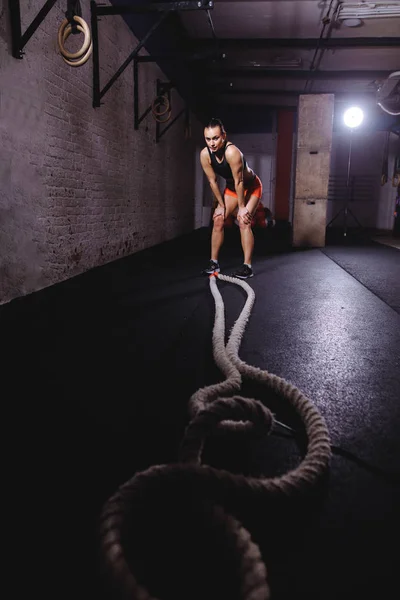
(353, 117)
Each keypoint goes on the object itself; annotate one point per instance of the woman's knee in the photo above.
(218, 223)
(243, 226)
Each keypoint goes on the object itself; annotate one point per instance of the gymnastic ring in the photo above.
(81, 61)
(84, 58)
(65, 26)
(164, 119)
(165, 102)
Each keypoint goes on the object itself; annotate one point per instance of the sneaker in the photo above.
(244, 272)
(212, 268)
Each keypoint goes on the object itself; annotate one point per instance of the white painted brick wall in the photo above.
(79, 186)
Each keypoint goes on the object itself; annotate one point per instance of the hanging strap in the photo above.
(73, 9)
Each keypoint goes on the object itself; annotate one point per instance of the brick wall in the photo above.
(79, 186)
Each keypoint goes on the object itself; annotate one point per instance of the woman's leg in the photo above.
(217, 236)
(246, 232)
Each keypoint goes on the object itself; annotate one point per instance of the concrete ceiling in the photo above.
(268, 52)
(259, 38)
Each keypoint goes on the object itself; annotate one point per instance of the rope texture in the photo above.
(218, 408)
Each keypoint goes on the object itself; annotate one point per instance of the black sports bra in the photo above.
(222, 168)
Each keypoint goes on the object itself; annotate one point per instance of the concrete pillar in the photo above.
(284, 151)
(314, 142)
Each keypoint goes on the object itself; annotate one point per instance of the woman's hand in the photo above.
(244, 215)
(219, 211)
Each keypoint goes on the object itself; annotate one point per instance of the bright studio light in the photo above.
(353, 117)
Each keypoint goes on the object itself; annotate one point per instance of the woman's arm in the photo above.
(235, 160)
(212, 178)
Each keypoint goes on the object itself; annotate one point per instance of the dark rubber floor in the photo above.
(364, 262)
(97, 373)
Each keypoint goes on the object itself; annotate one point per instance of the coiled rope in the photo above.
(218, 408)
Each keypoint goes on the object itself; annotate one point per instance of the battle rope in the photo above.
(211, 411)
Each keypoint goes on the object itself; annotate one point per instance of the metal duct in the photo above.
(388, 96)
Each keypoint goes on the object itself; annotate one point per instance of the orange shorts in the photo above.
(254, 188)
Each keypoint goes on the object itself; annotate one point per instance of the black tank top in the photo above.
(223, 169)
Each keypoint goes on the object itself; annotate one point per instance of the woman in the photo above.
(241, 196)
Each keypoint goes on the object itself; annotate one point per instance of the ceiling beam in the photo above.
(247, 106)
(260, 1)
(124, 9)
(266, 92)
(260, 72)
(307, 43)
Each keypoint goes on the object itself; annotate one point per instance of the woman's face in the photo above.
(214, 138)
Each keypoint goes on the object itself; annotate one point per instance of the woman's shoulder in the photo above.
(231, 149)
(205, 156)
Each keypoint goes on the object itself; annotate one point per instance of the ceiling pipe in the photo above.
(367, 10)
(257, 72)
(325, 22)
(305, 43)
